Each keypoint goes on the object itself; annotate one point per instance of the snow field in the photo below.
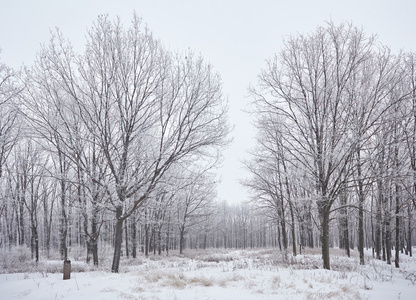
(222, 274)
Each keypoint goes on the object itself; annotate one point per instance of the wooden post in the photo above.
(67, 269)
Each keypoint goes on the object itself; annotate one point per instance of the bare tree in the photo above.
(266, 184)
(270, 170)
(307, 87)
(192, 201)
(370, 89)
(144, 108)
(29, 181)
(410, 138)
(9, 125)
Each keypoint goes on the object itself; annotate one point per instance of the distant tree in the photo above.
(193, 201)
(270, 176)
(369, 91)
(9, 123)
(10, 128)
(409, 111)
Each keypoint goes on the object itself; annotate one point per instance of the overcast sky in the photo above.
(234, 36)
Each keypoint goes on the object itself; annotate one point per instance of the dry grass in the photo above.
(177, 281)
(300, 275)
(18, 260)
(349, 295)
(275, 282)
(200, 280)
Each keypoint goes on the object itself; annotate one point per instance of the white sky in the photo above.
(235, 36)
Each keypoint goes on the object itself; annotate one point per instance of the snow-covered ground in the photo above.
(222, 274)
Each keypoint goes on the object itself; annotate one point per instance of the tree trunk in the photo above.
(310, 227)
(378, 233)
(89, 251)
(361, 231)
(167, 242)
(154, 240)
(127, 238)
(360, 209)
(47, 225)
(159, 240)
(134, 237)
(409, 228)
(345, 234)
(278, 237)
(35, 242)
(289, 199)
(388, 239)
(63, 228)
(283, 224)
(292, 215)
(21, 227)
(168, 237)
(94, 250)
(146, 239)
(383, 241)
(324, 236)
(118, 239)
(181, 239)
(397, 245)
(204, 245)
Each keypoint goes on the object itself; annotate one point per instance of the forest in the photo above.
(119, 146)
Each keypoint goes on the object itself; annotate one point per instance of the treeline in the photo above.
(119, 145)
(155, 229)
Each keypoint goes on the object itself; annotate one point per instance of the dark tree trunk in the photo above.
(35, 242)
(118, 239)
(388, 239)
(409, 228)
(146, 239)
(95, 232)
(36, 246)
(344, 232)
(361, 231)
(281, 213)
(89, 252)
(310, 230)
(94, 249)
(279, 239)
(397, 245)
(283, 224)
(134, 237)
(383, 242)
(63, 227)
(47, 226)
(92, 243)
(292, 215)
(159, 240)
(378, 230)
(289, 199)
(154, 240)
(323, 208)
(126, 228)
(21, 227)
(181, 239)
(347, 236)
(204, 245)
(168, 237)
(361, 199)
